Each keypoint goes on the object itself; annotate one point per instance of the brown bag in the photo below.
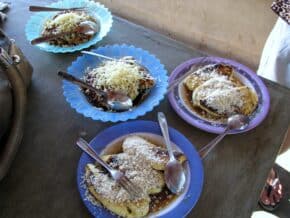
(15, 76)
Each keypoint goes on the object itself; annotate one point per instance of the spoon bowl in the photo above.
(174, 176)
(115, 101)
(119, 101)
(174, 173)
(238, 122)
(89, 27)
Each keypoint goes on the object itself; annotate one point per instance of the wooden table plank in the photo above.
(42, 180)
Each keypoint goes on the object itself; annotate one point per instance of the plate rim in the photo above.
(215, 129)
(195, 165)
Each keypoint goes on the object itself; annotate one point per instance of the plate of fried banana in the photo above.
(137, 149)
(216, 88)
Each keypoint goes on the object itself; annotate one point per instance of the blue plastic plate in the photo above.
(182, 205)
(75, 97)
(101, 13)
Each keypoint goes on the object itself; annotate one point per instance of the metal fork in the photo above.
(118, 176)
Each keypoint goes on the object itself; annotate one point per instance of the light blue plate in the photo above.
(184, 203)
(102, 14)
(78, 101)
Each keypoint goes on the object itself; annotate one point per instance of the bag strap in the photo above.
(18, 86)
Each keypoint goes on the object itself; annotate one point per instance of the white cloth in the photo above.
(275, 59)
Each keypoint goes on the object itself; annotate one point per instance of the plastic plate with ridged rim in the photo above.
(181, 206)
(79, 102)
(36, 22)
(246, 75)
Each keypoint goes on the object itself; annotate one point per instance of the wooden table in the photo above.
(42, 179)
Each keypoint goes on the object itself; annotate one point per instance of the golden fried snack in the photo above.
(112, 196)
(156, 156)
(218, 93)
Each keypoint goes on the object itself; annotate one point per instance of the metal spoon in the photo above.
(86, 27)
(174, 172)
(113, 100)
(236, 122)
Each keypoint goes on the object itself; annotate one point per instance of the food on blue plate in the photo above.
(123, 75)
(216, 92)
(143, 163)
(68, 22)
(112, 196)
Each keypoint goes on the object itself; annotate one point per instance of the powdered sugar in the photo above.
(135, 162)
(219, 94)
(216, 90)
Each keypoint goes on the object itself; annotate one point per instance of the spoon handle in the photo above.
(164, 129)
(109, 58)
(47, 38)
(97, 55)
(80, 83)
(180, 79)
(81, 143)
(41, 8)
(207, 148)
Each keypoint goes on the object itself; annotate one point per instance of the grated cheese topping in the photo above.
(208, 72)
(219, 94)
(202, 75)
(117, 75)
(135, 145)
(67, 21)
